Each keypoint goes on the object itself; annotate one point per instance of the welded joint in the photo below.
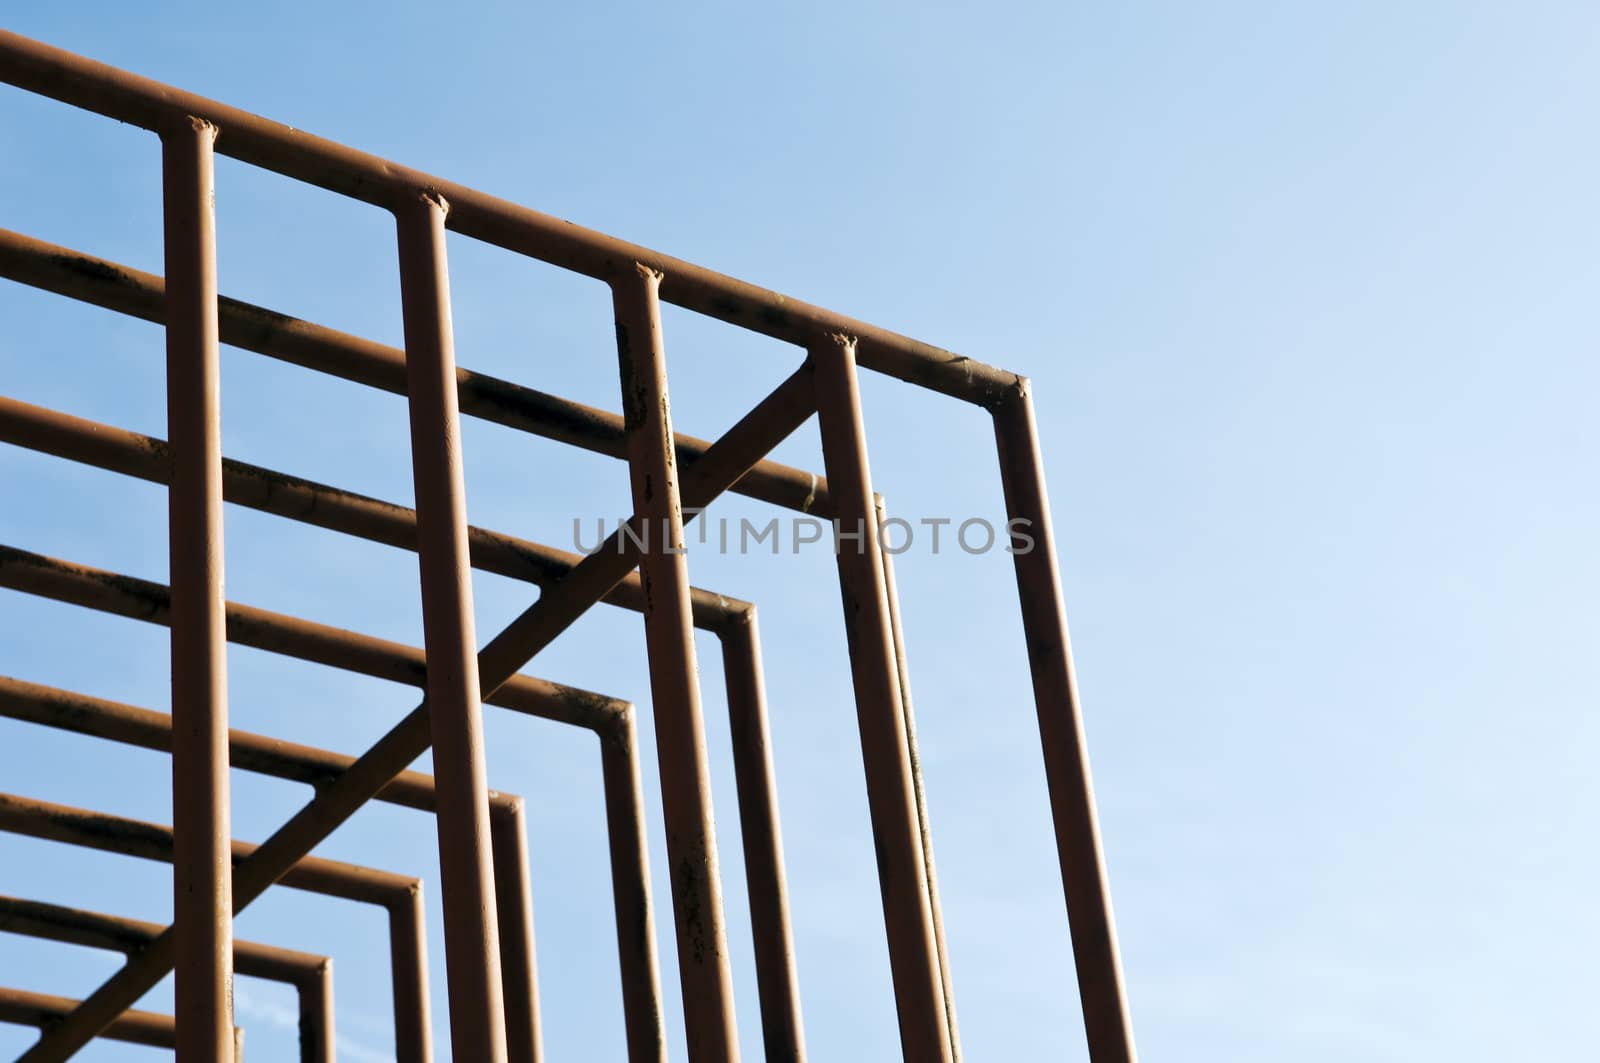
(192, 123)
(430, 198)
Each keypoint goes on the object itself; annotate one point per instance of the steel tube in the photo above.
(466, 862)
(408, 943)
(22, 1008)
(891, 797)
(318, 1041)
(631, 898)
(1107, 1023)
(306, 640)
(925, 832)
(519, 976)
(310, 975)
(140, 101)
(201, 872)
(399, 895)
(266, 332)
(766, 425)
(703, 967)
(777, 982)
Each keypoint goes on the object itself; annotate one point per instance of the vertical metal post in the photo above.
(891, 794)
(892, 594)
(674, 683)
(519, 972)
(316, 1017)
(472, 944)
(408, 970)
(1107, 1024)
(777, 983)
(630, 894)
(202, 868)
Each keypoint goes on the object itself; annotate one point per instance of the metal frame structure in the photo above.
(310, 975)
(672, 478)
(400, 896)
(731, 620)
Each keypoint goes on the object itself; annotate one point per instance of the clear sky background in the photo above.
(1307, 292)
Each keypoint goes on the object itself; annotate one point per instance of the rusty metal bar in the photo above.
(19, 1007)
(137, 599)
(126, 290)
(703, 967)
(777, 982)
(466, 862)
(399, 895)
(1107, 1024)
(201, 873)
(924, 831)
(408, 974)
(891, 797)
(766, 425)
(140, 101)
(69, 710)
(279, 493)
(310, 975)
(519, 974)
(631, 896)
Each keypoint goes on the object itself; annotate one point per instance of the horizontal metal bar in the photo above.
(140, 101)
(48, 821)
(19, 1007)
(75, 926)
(306, 640)
(147, 458)
(98, 717)
(129, 291)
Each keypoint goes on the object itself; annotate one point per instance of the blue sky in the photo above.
(1307, 295)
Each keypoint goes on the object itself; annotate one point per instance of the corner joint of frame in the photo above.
(1020, 391)
(619, 726)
